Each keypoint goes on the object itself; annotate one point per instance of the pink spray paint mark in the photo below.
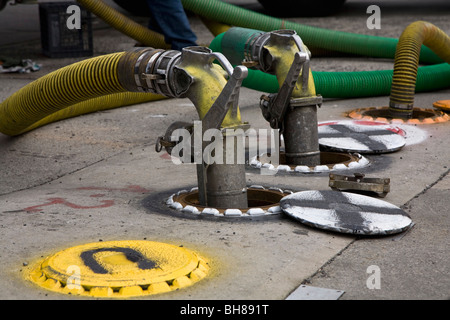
(54, 201)
(165, 156)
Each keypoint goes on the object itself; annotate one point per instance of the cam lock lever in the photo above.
(215, 95)
(213, 119)
(227, 100)
(274, 106)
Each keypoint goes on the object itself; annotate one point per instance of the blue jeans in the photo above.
(168, 17)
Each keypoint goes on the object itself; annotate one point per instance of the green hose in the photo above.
(333, 84)
(96, 84)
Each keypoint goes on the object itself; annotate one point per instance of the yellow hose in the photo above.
(407, 62)
(107, 102)
(125, 25)
(215, 27)
(91, 85)
(66, 92)
(65, 87)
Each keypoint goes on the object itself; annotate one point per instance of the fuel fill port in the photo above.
(262, 202)
(119, 269)
(329, 161)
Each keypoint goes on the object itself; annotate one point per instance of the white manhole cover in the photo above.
(345, 212)
(347, 137)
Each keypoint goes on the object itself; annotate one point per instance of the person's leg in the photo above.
(171, 20)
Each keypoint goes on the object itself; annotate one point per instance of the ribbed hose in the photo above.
(407, 61)
(336, 84)
(215, 27)
(125, 25)
(107, 102)
(72, 90)
(65, 87)
(377, 83)
(365, 45)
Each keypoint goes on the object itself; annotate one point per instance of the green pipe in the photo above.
(94, 84)
(314, 37)
(331, 84)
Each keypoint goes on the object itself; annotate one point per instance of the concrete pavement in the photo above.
(97, 177)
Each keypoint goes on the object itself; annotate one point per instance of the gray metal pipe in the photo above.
(226, 186)
(301, 136)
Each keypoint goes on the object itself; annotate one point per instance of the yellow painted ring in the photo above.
(120, 269)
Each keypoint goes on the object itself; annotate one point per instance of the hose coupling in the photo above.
(293, 109)
(257, 54)
(152, 70)
(165, 71)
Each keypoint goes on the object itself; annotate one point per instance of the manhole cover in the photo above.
(345, 212)
(359, 138)
(120, 269)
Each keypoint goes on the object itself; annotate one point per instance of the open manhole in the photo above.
(329, 161)
(120, 269)
(261, 202)
(419, 115)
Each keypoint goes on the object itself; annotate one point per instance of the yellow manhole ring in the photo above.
(120, 269)
(443, 105)
(381, 114)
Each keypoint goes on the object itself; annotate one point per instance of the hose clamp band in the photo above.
(149, 71)
(407, 107)
(163, 69)
(137, 78)
(252, 45)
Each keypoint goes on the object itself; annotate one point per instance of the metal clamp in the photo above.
(167, 141)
